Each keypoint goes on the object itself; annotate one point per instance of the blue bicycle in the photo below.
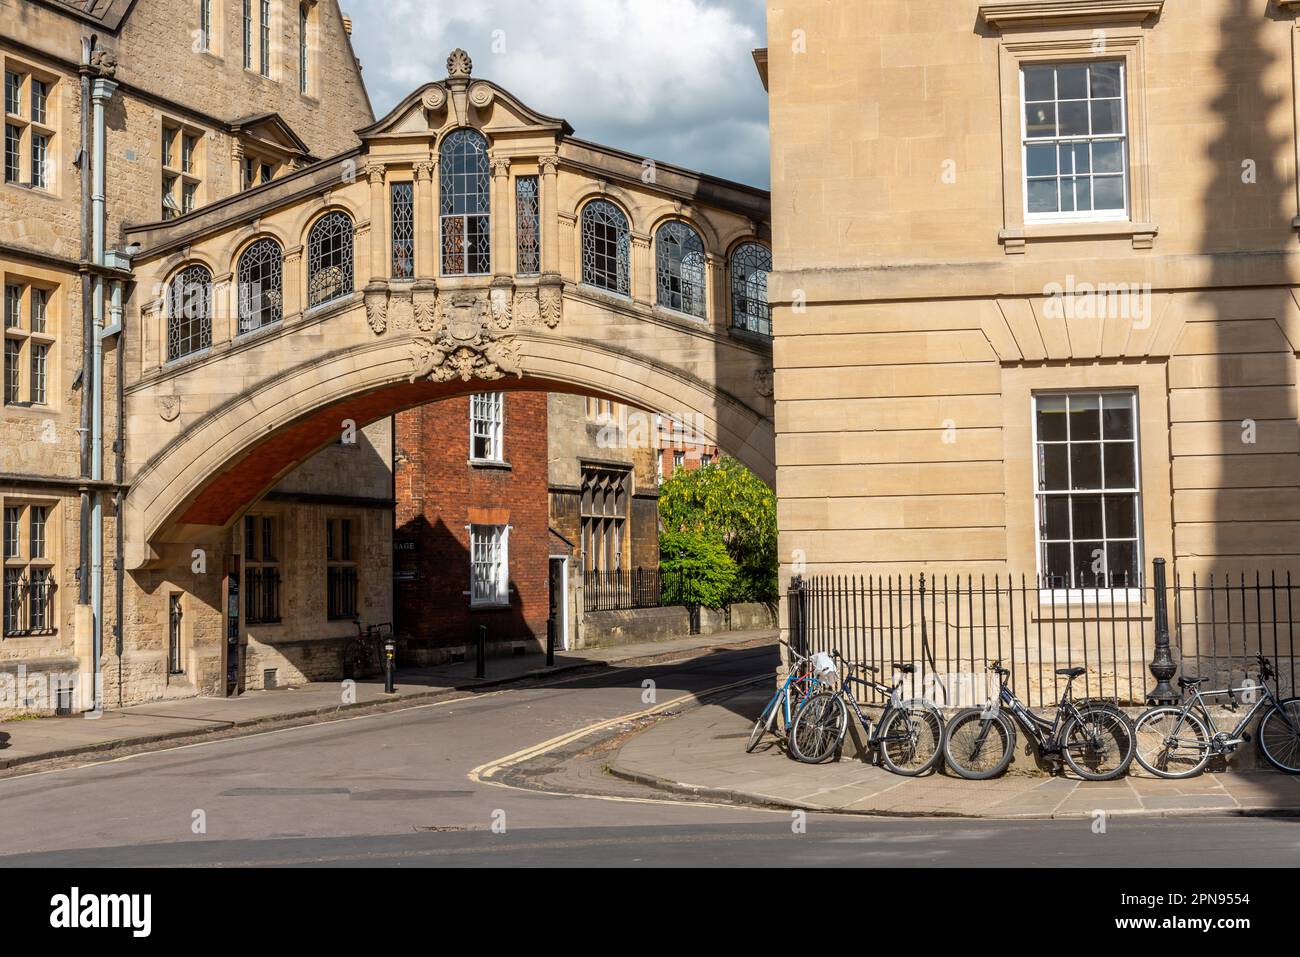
(785, 704)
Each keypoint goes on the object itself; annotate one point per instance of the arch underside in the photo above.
(200, 480)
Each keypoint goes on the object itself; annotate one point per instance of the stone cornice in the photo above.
(1050, 13)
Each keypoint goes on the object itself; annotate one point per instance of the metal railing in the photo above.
(623, 589)
(262, 595)
(952, 626)
(341, 591)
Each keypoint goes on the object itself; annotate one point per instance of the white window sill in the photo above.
(489, 464)
(1095, 597)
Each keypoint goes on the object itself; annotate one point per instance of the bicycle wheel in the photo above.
(819, 728)
(978, 746)
(1171, 743)
(1279, 743)
(1098, 744)
(764, 722)
(911, 739)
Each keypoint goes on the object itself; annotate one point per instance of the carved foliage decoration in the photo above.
(465, 344)
(377, 310)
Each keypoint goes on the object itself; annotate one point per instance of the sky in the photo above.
(671, 80)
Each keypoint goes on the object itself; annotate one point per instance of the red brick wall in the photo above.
(439, 493)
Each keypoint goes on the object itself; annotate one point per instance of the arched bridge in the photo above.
(467, 243)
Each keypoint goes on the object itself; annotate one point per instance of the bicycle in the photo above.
(783, 705)
(1176, 741)
(363, 655)
(1095, 738)
(908, 738)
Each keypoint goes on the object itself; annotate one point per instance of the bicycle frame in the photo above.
(1197, 701)
(1046, 734)
(890, 694)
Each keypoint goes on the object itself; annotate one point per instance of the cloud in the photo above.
(669, 79)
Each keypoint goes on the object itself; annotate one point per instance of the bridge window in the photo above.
(489, 564)
(606, 247)
(189, 319)
(750, 264)
(261, 299)
(528, 237)
(486, 422)
(680, 269)
(329, 259)
(340, 569)
(402, 202)
(464, 187)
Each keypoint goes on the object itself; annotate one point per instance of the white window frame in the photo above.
(1088, 216)
(1100, 596)
(490, 425)
(496, 538)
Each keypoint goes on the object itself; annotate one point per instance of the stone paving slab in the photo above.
(702, 752)
(26, 740)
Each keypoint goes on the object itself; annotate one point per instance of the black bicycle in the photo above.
(363, 653)
(908, 738)
(1177, 741)
(1095, 738)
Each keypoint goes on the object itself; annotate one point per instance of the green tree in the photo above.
(696, 569)
(728, 503)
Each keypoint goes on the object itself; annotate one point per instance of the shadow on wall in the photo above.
(431, 600)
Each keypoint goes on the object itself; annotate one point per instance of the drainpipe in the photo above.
(101, 92)
(119, 449)
(87, 332)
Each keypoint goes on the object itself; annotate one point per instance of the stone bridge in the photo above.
(467, 242)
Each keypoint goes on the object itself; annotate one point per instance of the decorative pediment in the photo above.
(270, 129)
(459, 100)
(1053, 13)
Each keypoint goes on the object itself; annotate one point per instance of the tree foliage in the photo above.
(696, 569)
(726, 502)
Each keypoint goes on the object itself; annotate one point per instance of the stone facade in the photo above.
(168, 85)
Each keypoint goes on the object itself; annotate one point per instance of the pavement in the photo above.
(701, 753)
(29, 740)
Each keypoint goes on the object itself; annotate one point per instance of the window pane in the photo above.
(1042, 196)
(1056, 517)
(1040, 119)
(1085, 465)
(1089, 564)
(1039, 83)
(1117, 416)
(1121, 516)
(1106, 116)
(1083, 193)
(1104, 79)
(1120, 465)
(1053, 467)
(1085, 422)
(1051, 418)
(1056, 565)
(1107, 157)
(1040, 160)
(1122, 563)
(1074, 119)
(1087, 516)
(1072, 82)
(1109, 192)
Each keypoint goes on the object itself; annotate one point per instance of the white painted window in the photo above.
(486, 424)
(1074, 142)
(1087, 476)
(489, 564)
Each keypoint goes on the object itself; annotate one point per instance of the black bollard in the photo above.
(480, 663)
(550, 642)
(389, 666)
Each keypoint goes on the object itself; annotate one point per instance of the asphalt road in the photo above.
(395, 790)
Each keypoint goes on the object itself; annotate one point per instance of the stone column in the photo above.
(225, 309)
(643, 269)
(501, 259)
(426, 221)
(715, 295)
(549, 166)
(292, 282)
(375, 172)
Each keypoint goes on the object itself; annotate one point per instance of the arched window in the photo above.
(329, 259)
(680, 269)
(750, 264)
(189, 312)
(261, 296)
(465, 189)
(606, 247)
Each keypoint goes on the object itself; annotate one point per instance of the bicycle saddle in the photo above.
(906, 669)
(1070, 672)
(1190, 682)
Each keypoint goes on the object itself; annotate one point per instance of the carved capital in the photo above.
(375, 173)
(500, 166)
(549, 164)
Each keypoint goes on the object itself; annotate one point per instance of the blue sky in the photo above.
(668, 79)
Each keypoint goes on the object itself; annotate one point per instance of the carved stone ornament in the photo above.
(377, 310)
(434, 99)
(464, 344)
(104, 62)
(763, 382)
(459, 64)
(551, 302)
(528, 311)
(169, 407)
(480, 94)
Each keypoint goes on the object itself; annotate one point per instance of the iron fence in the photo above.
(621, 589)
(950, 627)
(262, 595)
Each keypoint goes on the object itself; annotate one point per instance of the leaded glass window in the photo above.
(465, 190)
(528, 239)
(680, 269)
(402, 197)
(329, 259)
(261, 285)
(606, 247)
(189, 317)
(750, 264)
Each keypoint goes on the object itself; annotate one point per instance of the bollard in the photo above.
(389, 666)
(480, 663)
(1162, 662)
(550, 642)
